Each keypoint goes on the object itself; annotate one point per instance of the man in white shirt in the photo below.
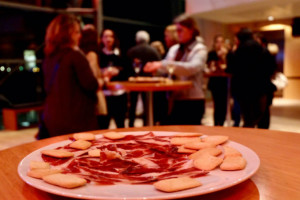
(186, 61)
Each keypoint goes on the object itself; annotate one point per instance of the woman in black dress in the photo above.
(112, 66)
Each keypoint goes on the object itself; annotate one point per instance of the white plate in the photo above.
(216, 180)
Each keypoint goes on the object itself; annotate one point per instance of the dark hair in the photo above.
(116, 43)
(89, 40)
(59, 32)
(189, 22)
(244, 34)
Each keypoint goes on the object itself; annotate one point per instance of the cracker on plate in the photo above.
(94, 153)
(183, 140)
(186, 134)
(39, 165)
(210, 150)
(207, 162)
(230, 151)
(80, 144)
(113, 135)
(181, 149)
(65, 180)
(216, 139)
(84, 136)
(232, 163)
(176, 184)
(40, 173)
(57, 153)
(198, 145)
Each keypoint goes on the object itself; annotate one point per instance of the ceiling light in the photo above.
(273, 27)
(270, 18)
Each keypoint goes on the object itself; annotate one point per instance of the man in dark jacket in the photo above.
(250, 77)
(138, 56)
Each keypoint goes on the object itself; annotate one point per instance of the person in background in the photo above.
(171, 36)
(264, 122)
(187, 61)
(113, 69)
(250, 77)
(158, 45)
(68, 80)
(138, 56)
(89, 45)
(236, 109)
(161, 107)
(218, 80)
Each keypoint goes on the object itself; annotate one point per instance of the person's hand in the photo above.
(101, 83)
(152, 67)
(110, 72)
(222, 52)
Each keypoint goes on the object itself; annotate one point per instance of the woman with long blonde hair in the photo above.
(69, 83)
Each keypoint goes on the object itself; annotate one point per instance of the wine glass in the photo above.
(137, 66)
(170, 68)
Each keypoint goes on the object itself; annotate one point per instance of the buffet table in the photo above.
(278, 176)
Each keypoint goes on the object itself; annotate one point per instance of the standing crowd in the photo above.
(78, 64)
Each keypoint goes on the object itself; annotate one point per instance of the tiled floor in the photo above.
(285, 117)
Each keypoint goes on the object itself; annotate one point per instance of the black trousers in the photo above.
(117, 109)
(160, 105)
(236, 112)
(133, 98)
(252, 109)
(265, 120)
(219, 90)
(187, 112)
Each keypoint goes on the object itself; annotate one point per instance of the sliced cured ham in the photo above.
(133, 159)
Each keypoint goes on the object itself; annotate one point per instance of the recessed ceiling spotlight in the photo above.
(270, 18)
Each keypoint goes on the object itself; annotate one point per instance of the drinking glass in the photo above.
(137, 66)
(171, 69)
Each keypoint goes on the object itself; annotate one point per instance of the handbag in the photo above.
(280, 80)
(101, 105)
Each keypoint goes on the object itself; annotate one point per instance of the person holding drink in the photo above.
(186, 61)
(138, 55)
(218, 79)
(112, 65)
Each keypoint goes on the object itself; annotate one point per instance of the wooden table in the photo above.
(149, 88)
(277, 178)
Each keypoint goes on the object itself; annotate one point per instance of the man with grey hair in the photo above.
(142, 36)
(138, 56)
